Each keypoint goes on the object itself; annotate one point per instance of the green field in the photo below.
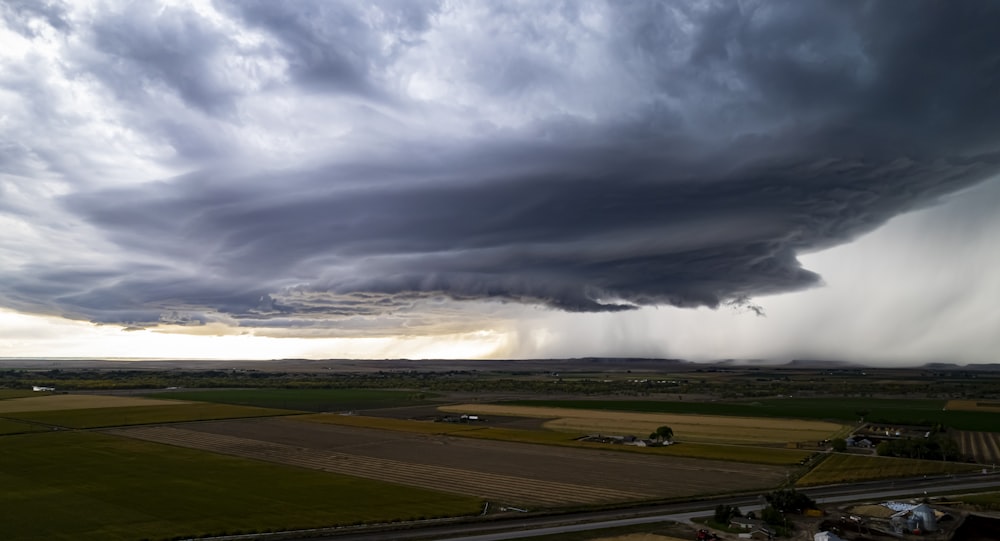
(987, 500)
(304, 399)
(843, 468)
(117, 488)
(16, 393)
(902, 411)
(141, 415)
(8, 426)
(739, 453)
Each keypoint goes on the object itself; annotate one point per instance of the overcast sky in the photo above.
(703, 180)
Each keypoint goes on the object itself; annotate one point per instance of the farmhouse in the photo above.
(755, 528)
(39, 388)
(863, 443)
(745, 523)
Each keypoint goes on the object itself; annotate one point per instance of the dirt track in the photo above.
(511, 473)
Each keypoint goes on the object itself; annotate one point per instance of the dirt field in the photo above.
(984, 447)
(502, 472)
(686, 427)
(973, 405)
(54, 402)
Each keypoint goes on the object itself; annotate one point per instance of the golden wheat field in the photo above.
(973, 405)
(686, 427)
(56, 402)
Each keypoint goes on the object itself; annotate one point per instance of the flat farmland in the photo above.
(686, 427)
(973, 405)
(835, 409)
(713, 451)
(74, 485)
(53, 402)
(7, 394)
(141, 415)
(504, 472)
(305, 399)
(984, 447)
(8, 426)
(843, 468)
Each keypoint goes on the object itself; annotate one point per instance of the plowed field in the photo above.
(504, 472)
(984, 447)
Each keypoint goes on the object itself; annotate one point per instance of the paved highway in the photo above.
(517, 528)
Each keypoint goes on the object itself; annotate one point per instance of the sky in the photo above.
(499, 179)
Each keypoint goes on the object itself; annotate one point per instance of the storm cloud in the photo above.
(358, 169)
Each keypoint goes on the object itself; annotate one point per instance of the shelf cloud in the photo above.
(355, 169)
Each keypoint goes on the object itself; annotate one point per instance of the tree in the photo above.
(790, 501)
(839, 444)
(664, 433)
(773, 517)
(724, 513)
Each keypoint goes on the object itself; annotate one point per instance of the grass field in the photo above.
(117, 488)
(986, 500)
(729, 453)
(8, 426)
(304, 399)
(6, 394)
(841, 409)
(686, 427)
(842, 468)
(140, 415)
(737, 453)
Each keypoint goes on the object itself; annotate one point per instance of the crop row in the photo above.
(983, 447)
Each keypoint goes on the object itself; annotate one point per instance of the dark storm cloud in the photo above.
(141, 48)
(746, 135)
(913, 78)
(336, 46)
(604, 240)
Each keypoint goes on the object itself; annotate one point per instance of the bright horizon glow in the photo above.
(31, 336)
